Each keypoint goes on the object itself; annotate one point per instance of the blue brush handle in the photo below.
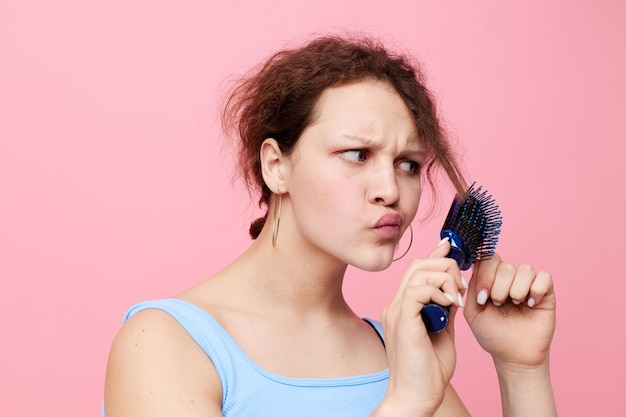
(435, 316)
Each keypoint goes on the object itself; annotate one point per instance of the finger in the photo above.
(505, 275)
(441, 251)
(417, 296)
(443, 281)
(451, 316)
(520, 288)
(483, 277)
(436, 261)
(406, 310)
(541, 286)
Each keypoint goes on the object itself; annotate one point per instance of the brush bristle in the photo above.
(477, 221)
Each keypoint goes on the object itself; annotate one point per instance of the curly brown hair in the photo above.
(278, 101)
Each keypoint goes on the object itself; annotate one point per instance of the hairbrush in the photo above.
(472, 226)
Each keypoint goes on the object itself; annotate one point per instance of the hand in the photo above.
(511, 311)
(421, 364)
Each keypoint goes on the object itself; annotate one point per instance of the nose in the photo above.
(383, 188)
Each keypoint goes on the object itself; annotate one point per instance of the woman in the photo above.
(337, 137)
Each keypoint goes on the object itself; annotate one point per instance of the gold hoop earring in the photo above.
(276, 217)
(407, 249)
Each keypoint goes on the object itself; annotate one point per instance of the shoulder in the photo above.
(155, 368)
(142, 327)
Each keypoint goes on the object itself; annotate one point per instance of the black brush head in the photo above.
(473, 226)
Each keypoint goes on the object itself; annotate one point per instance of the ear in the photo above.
(273, 166)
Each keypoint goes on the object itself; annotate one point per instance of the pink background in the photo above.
(115, 187)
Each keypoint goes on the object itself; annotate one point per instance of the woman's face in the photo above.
(353, 178)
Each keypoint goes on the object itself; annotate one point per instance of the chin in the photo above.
(373, 263)
(375, 268)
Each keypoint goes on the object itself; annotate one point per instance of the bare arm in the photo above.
(421, 363)
(526, 391)
(452, 405)
(156, 369)
(515, 325)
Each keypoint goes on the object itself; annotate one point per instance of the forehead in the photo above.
(370, 109)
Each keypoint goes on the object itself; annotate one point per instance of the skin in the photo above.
(357, 161)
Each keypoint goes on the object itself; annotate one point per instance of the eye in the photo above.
(411, 167)
(355, 155)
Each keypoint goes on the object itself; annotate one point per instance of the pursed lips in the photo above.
(389, 225)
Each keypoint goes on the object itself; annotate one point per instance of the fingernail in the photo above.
(449, 297)
(464, 283)
(444, 240)
(482, 297)
(496, 303)
(516, 302)
(461, 302)
(531, 302)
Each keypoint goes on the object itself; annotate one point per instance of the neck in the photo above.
(304, 282)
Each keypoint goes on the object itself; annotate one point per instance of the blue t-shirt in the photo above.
(250, 391)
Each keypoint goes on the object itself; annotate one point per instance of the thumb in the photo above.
(471, 305)
(483, 274)
(451, 316)
(441, 250)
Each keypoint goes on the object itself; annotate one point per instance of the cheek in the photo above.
(329, 194)
(411, 200)
(324, 199)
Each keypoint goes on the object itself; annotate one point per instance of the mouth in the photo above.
(388, 226)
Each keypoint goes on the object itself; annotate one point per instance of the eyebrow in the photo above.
(369, 143)
(363, 140)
